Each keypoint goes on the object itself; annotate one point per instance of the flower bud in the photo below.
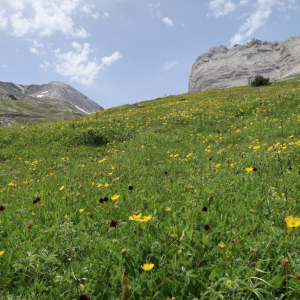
(179, 251)
(253, 250)
(222, 245)
(124, 251)
(114, 241)
(285, 262)
(29, 225)
(182, 237)
(297, 276)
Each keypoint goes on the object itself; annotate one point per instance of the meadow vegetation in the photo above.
(194, 196)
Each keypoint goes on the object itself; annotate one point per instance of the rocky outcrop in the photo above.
(221, 67)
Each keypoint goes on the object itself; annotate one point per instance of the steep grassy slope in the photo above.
(186, 198)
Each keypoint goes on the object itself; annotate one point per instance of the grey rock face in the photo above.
(221, 67)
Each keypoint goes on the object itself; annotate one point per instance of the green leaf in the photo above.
(212, 275)
(80, 226)
(277, 281)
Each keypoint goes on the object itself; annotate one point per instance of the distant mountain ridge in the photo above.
(55, 100)
(221, 67)
(54, 89)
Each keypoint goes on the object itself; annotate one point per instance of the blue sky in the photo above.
(126, 51)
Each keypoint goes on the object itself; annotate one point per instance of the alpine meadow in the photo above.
(186, 197)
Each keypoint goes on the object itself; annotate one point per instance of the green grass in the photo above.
(211, 167)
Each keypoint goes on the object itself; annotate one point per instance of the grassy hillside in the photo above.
(31, 111)
(185, 198)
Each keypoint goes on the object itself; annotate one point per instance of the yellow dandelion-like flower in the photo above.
(292, 222)
(232, 165)
(2, 252)
(168, 209)
(81, 210)
(249, 169)
(62, 188)
(147, 267)
(115, 197)
(145, 219)
(135, 217)
(106, 185)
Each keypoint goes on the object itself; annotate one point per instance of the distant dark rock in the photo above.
(221, 67)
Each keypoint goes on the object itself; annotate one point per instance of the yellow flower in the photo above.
(145, 219)
(292, 222)
(135, 217)
(232, 165)
(249, 169)
(147, 267)
(81, 210)
(168, 209)
(106, 185)
(2, 252)
(256, 147)
(174, 235)
(115, 197)
(62, 188)
(217, 165)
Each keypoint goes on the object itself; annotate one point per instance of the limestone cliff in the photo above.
(221, 67)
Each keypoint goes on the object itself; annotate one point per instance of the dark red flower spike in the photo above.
(113, 223)
(206, 227)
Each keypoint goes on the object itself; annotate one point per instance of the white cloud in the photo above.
(77, 66)
(167, 21)
(105, 15)
(263, 10)
(244, 2)
(45, 66)
(154, 10)
(34, 50)
(108, 60)
(170, 65)
(221, 7)
(17, 4)
(182, 25)
(89, 10)
(80, 33)
(95, 15)
(45, 17)
(3, 21)
(4, 66)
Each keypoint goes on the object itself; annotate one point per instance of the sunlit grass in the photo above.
(186, 197)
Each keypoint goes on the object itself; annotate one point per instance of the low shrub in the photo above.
(260, 80)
